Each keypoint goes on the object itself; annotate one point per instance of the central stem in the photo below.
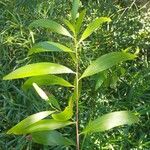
(77, 94)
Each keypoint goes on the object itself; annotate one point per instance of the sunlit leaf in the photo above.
(74, 11)
(110, 120)
(93, 26)
(37, 69)
(51, 138)
(80, 20)
(50, 99)
(21, 126)
(66, 114)
(69, 25)
(107, 61)
(48, 46)
(46, 80)
(40, 92)
(46, 124)
(50, 24)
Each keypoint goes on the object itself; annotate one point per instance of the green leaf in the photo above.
(46, 124)
(46, 80)
(99, 80)
(40, 92)
(66, 114)
(50, 24)
(74, 11)
(110, 120)
(37, 69)
(107, 61)
(53, 101)
(50, 99)
(94, 26)
(51, 138)
(48, 46)
(80, 20)
(69, 25)
(21, 126)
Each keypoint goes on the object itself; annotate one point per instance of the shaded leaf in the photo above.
(48, 46)
(51, 138)
(80, 20)
(37, 69)
(93, 26)
(66, 114)
(53, 101)
(46, 80)
(107, 61)
(74, 95)
(74, 11)
(50, 24)
(110, 120)
(46, 124)
(21, 126)
(99, 80)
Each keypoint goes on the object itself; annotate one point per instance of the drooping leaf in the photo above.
(74, 11)
(93, 26)
(21, 126)
(46, 124)
(46, 80)
(107, 61)
(50, 24)
(40, 92)
(50, 99)
(80, 20)
(66, 114)
(51, 138)
(37, 69)
(69, 25)
(53, 101)
(48, 46)
(110, 120)
(99, 80)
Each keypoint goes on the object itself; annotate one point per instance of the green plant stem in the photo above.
(77, 94)
(83, 141)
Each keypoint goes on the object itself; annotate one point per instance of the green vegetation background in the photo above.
(130, 28)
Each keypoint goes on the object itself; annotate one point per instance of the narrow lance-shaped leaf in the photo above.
(69, 25)
(100, 78)
(46, 80)
(53, 101)
(50, 24)
(93, 26)
(50, 99)
(21, 126)
(74, 11)
(51, 138)
(48, 46)
(107, 61)
(80, 20)
(111, 120)
(46, 124)
(40, 92)
(37, 69)
(66, 114)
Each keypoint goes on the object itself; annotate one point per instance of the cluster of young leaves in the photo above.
(45, 73)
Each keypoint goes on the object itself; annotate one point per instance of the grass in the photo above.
(130, 28)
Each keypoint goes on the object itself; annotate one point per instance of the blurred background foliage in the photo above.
(126, 87)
